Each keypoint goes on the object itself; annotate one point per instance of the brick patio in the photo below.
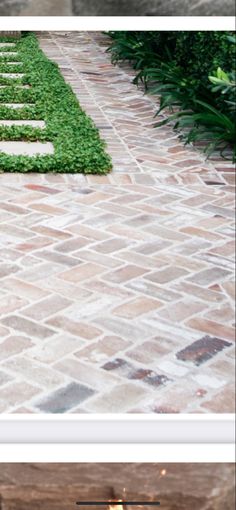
(117, 291)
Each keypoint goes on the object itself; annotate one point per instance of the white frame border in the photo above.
(77, 23)
(120, 428)
(153, 453)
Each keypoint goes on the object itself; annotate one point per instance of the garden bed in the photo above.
(191, 76)
(33, 89)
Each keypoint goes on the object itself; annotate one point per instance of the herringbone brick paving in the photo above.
(117, 291)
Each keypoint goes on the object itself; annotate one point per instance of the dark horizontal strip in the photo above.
(111, 503)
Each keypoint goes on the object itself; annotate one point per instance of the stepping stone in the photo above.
(33, 123)
(13, 63)
(16, 105)
(10, 53)
(16, 86)
(7, 44)
(26, 148)
(12, 75)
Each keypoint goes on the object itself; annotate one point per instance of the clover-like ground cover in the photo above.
(33, 89)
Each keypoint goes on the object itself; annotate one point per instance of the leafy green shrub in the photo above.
(138, 49)
(203, 117)
(185, 70)
(211, 124)
(197, 52)
(76, 141)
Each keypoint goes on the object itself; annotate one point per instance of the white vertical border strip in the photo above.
(104, 23)
(188, 453)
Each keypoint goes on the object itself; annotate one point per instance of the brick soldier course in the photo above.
(117, 291)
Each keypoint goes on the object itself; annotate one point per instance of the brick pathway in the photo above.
(117, 291)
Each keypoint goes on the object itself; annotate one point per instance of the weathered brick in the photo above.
(209, 276)
(16, 393)
(14, 345)
(42, 189)
(64, 399)
(24, 289)
(83, 272)
(34, 372)
(117, 398)
(222, 402)
(125, 274)
(46, 307)
(80, 329)
(95, 378)
(8, 269)
(181, 310)
(137, 307)
(11, 303)
(27, 326)
(167, 275)
(202, 350)
(214, 328)
(102, 349)
(112, 245)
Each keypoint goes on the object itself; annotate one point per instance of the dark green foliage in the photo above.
(181, 67)
(5, 67)
(213, 123)
(136, 47)
(198, 53)
(77, 145)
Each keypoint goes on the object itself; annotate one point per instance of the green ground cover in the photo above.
(193, 75)
(76, 141)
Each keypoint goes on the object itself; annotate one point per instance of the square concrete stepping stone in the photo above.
(26, 148)
(16, 105)
(33, 123)
(10, 53)
(12, 75)
(9, 44)
(16, 86)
